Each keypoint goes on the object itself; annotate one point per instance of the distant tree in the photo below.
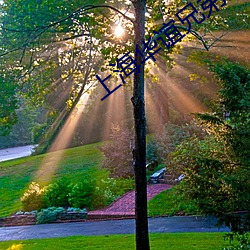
(165, 142)
(118, 155)
(8, 105)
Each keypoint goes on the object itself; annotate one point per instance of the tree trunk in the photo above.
(139, 151)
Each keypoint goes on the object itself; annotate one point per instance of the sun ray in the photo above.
(51, 162)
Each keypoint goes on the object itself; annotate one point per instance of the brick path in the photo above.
(124, 207)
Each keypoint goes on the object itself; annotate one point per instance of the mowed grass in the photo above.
(170, 241)
(16, 175)
(169, 202)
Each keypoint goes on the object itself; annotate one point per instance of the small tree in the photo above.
(118, 156)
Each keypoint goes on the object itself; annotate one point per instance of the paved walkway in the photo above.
(125, 206)
(156, 225)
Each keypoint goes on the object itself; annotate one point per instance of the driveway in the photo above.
(14, 153)
(156, 225)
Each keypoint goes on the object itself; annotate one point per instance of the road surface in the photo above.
(156, 225)
(14, 153)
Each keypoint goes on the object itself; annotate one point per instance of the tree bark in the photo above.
(139, 151)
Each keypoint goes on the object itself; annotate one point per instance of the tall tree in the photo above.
(139, 151)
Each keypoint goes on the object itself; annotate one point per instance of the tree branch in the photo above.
(76, 12)
(42, 29)
(194, 33)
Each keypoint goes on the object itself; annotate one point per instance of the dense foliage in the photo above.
(32, 199)
(217, 168)
(48, 215)
(55, 48)
(8, 105)
(90, 193)
(162, 143)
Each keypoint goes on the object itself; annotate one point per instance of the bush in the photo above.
(103, 194)
(33, 198)
(48, 215)
(78, 210)
(38, 131)
(57, 193)
(243, 242)
(216, 168)
(61, 193)
(122, 186)
(81, 194)
(109, 189)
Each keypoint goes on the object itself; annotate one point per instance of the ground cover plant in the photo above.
(170, 241)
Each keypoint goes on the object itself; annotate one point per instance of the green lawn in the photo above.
(16, 175)
(171, 241)
(169, 202)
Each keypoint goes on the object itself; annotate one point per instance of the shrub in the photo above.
(81, 194)
(243, 242)
(48, 215)
(216, 168)
(38, 131)
(73, 209)
(33, 197)
(109, 189)
(103, 194)
(57, 193)
(123, 185)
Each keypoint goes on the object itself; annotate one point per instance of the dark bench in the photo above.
(155, 177)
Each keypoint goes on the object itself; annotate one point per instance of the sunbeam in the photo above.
(51, 161)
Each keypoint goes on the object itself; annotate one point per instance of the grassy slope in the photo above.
(173, 241)
(16, 175)
(169, 203)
